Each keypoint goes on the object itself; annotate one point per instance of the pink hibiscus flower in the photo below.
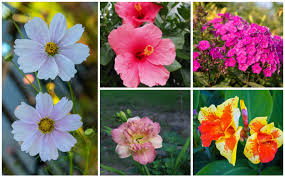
(139, 138)
(137, 13)
(141, 55)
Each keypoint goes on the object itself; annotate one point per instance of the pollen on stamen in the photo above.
(51, 48)
(148, 50)
(138, 7)
(46, 125)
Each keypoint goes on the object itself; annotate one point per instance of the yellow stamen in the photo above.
(51, 48)
(46, 125)
(148, 50)
(138, 7)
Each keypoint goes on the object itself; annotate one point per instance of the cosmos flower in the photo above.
(52, 51)
(220, 124)
(44, 130)
(141, 54)
(265, 139)
(137, 13)
(138, 137)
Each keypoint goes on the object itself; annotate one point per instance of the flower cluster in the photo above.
(141, 53)
(248, 45)
(220, 124)
(138, 137)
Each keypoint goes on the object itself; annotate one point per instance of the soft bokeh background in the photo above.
(174, 22)
(171, 109)
(15, 89)
(268, 14)
(259, 103)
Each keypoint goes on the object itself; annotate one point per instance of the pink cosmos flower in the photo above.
(44, 129)
(204, 45)
(196, 65)
(52, 51)
(141, 54)
(256, 68)
(137, 13)
(138, 137)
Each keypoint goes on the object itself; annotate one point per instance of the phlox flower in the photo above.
(138, 137)
(220, 124)
(204, 45)
(52, 51)
(44, 130)
(263, 142)
(230, 62)
(137, 13)
(256, 68)
(196, 65)
(141, 54)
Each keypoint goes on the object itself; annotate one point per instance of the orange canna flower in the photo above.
(263, 142)
(220, 124)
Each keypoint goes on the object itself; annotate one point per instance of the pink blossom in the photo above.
(137, 13)
(141, 55)
(256, 68)
(204, 45)
(267, 72)
(195, 55)
(138, 137)
(230, 62)
(196, 65)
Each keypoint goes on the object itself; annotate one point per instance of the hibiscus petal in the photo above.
(127, 66)
(256, 124)
(57, 27)
(63, 140)
(44, 104)
(152, 75)
(27, 113)
(48, 70)
(267, 151)
(163, 54)
(251, 149)
(123, 151)
(146, 155)
(37, 30)
(156, 141)
(228, 146)
(150, 34)
(22, 130)
(66, 67)
(69, 123)
(127, 12)
(61, 109)
(77, 53)
(72, 35)
(48, 149)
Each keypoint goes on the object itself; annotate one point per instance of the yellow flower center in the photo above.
(148, 50)
(138, 7)
(51, 48)
(46, 125)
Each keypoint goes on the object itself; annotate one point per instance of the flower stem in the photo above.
(39, 83)
(72, 96)
(146, 169)
(37, 90)
(18, 29)
(70, 162)
(88, 148)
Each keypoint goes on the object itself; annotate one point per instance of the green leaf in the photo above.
(177, 40)
(258, 102)
(181, 54)
(223, 167)
(185, 76)
(105, 167)
(89, 131)
(174, 66)
(106, 54)
(182, 152)
(273, 170)
(196, 96)
(277, 112)
(201, 78)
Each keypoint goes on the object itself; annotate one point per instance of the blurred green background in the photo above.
(171, 109)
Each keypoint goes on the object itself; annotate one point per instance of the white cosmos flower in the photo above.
(44, 129)
(51, 50)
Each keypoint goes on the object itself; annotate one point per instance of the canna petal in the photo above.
(256, 124)
(210, 131)
(267, 151)
(251, 149)
(278, 136)
(207, 114)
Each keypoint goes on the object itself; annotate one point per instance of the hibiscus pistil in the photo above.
(138, 8)
(46, 125)
(148, 50)
(51, 48)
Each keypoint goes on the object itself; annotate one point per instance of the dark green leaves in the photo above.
(174, 66)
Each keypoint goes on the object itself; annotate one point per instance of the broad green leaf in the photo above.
(105, 167)
(174, 66)
(177, 40)
(196, 96)
(181, 54)
(277, 112)
(201, 78)
(182, 152)
(185, 76)
(258, 102)
(273, 170)
(106, 54)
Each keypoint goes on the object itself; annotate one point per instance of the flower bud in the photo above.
(244, 115)
(123, 116)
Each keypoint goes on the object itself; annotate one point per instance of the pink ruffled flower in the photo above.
(138, 137)
(204, 45)
(230, 62)
(256, 68)
(141, 55)
(195, 55)
(196, 65)
(44, 129)
(137, 13)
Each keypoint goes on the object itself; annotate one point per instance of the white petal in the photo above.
(29, 141)
(156, 141)
(48, 149)
(57, 27)
(37, 30)
(44, 104)
(61, 109)
(48, 70)
(65, 67)
(22, 130)
(77, 53)
(123, 151)
(27, 113)
(27, 46)
(72, 35)
(63, 140)
(31, 63)
(69, 123)
(36, 146)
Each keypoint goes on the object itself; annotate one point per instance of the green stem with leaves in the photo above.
(70, 162)
(18, 29)
(72, 96)
(88, 148)
(146, 170)
(39, 83)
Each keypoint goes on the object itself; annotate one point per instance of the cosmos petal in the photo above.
(57, 27)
